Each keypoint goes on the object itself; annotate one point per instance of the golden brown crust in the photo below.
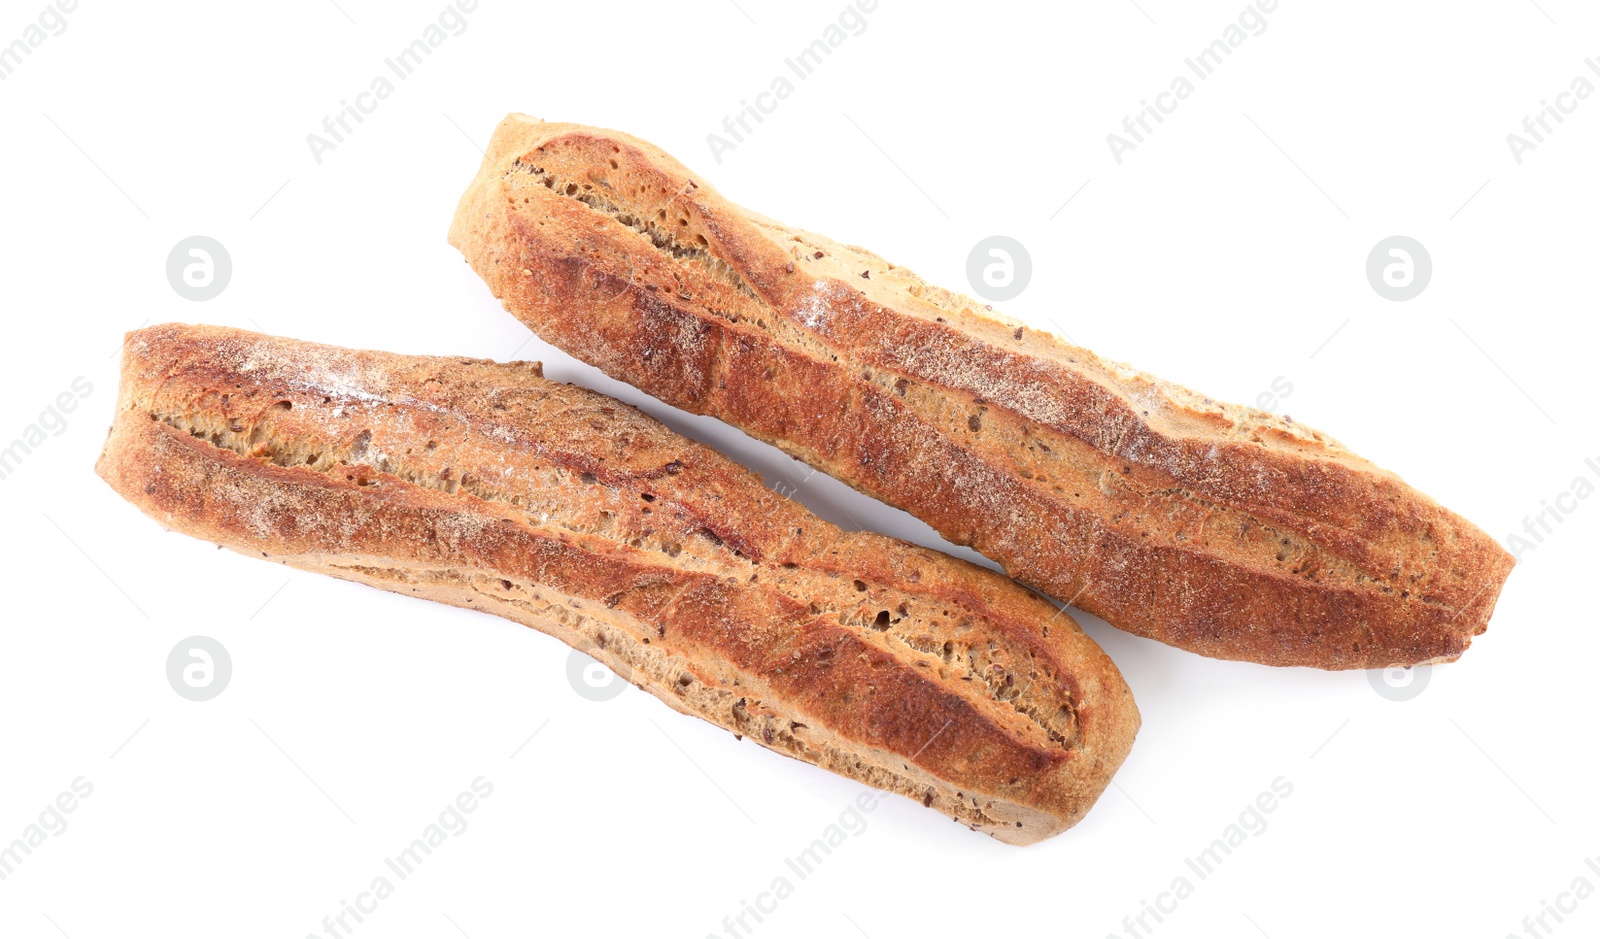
(486, 486)
(1220, 529)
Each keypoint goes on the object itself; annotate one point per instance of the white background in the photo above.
(1223, 253)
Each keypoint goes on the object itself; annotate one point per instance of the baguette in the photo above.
(488, 487)
(1215, 528)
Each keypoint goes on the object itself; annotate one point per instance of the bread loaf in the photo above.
(485, 486)
(1220, 529)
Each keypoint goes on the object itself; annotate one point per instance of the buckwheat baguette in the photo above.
(486, 486)
(1215, 528)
